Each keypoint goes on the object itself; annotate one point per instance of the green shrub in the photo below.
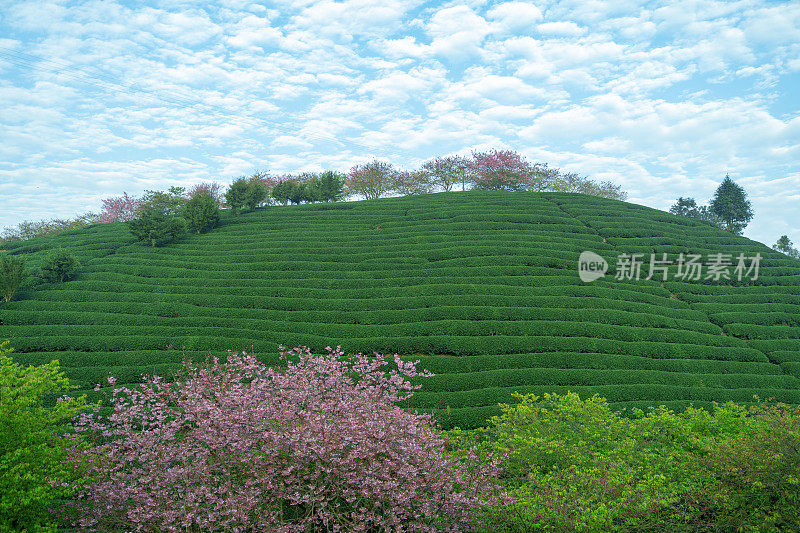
(577, 465)
(33, 445)
(60, 265)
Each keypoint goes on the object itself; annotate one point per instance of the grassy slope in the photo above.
(483, 287)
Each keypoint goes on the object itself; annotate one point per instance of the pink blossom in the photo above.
(318, 443)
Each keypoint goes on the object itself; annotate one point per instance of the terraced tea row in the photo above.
(482, 287)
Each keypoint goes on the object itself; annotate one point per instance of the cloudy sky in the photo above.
(100, 97)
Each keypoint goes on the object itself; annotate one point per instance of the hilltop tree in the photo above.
(688, 207)
(120, 208)
(301, 192)
(371, 180)
(60, 265)
(784, 245)
(169, 202)
(410, 182)
(255, 195)
(12, 274)
(201, 212)
(284, 190)
(445, 172)
(329, 186)
(236, 195)
(730, 204)
(155, 227)
(213, 188)
(506, 170)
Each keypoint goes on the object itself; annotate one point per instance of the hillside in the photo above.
(483, 287)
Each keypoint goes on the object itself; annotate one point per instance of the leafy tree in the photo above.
(784, 245)
(155, 227)
(301, 192)
(371, 180)
(169, 202)
(688, 207)
(445, 172)
(35, 452)
(730, 203)
(255, 195)
(684, 207)
(283, 191)
(12, 274)
(201, 212)
(60, 265)
(236, 195)
(328, 427)
(329, 186)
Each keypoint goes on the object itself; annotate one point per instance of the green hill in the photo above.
(483, 287)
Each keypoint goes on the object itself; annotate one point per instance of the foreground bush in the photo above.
(34, 472)
(309, 446)
(576, 465)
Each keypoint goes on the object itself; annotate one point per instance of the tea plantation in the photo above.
(483, 287)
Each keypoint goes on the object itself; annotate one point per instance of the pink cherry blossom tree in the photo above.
(120, 208)
(215, 189)
(506, 170)
(371, 180)
(317, 444)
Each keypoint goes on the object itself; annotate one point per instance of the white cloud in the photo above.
(515, 16)
(561, 29)
(663, 97)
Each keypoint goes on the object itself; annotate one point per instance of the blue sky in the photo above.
(101, 97)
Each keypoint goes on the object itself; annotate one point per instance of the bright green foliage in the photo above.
(60, 265)
(302, 192)
(255, 195)
(168, 203)
(576, 465)
(201, 212)
(154, 227)
(12, 274)
(33, 445)
(687, 207)
(784, 245)
(730, 204)
(236, 195)
(328, 186)
(284, 191)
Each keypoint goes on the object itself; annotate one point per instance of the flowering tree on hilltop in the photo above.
(120, 208)
(213, 188)
(447, 171)
(410, 182)
(371, 180)
(506, 170)
(318, 444)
